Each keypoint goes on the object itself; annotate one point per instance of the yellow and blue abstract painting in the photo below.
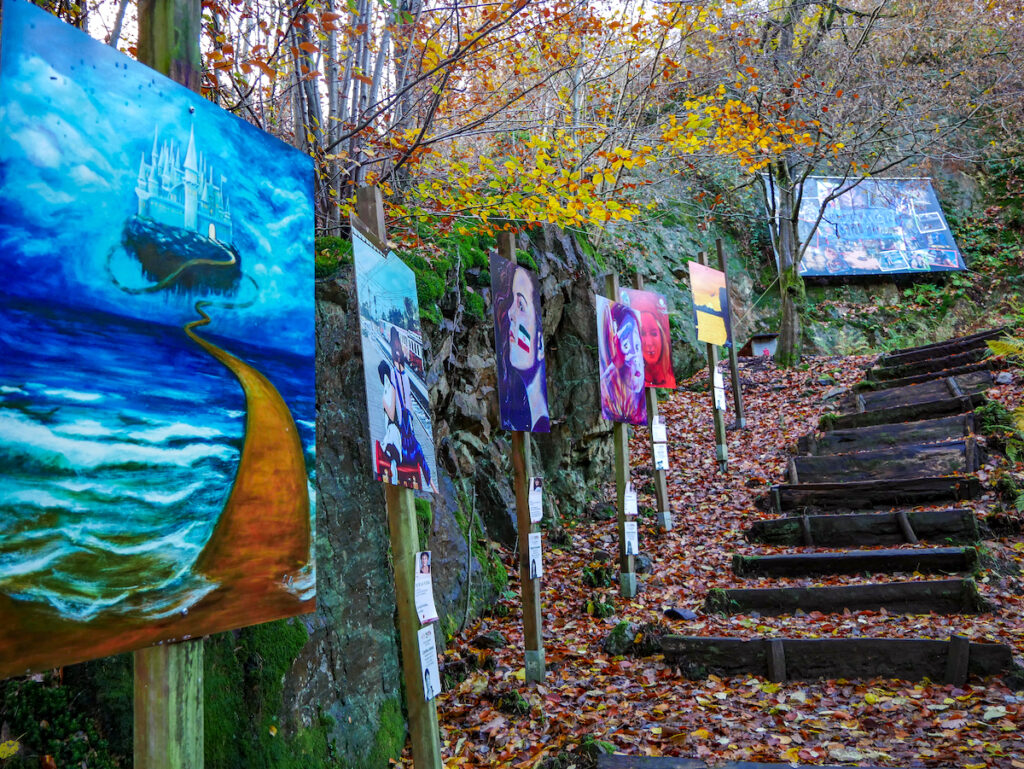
(157, 344)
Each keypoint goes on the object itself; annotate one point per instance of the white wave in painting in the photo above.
(175, 431)
(41, 500)
(24, 440)
(73, 395)
(150, 496)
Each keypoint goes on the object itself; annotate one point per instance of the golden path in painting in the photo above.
(261, 540)
(269, 499)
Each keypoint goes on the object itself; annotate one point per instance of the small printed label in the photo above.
(629, 500)
(659, 433)
(423, 592)
(660, 456)
(536, 556)
(632, 540)
(536, 499)
(428, 663)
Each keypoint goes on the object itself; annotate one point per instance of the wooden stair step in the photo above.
(915, 460)
(616, 761)
(943, 560)
(807, 659)
(877, 436)
(944, 596)
(940, 407)
(987, 365)
(866, 495)
(852, 529)
(940, 349)
(879, 373)
(946, 387)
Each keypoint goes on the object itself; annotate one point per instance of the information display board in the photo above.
(880, 226)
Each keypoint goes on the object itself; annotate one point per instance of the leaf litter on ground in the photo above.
(642, 706)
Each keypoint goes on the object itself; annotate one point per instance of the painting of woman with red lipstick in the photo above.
(655, 342)
(621, 363)
(519, 344)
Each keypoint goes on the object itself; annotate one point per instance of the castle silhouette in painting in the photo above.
(183, 194)
(182, 231)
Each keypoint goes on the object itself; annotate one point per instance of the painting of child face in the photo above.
(650, 339)
(652, 309)
(522, 322)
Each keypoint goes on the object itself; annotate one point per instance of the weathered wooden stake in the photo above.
(522, 467)
(401, 508)
(168, 679)
(168, 728)
(660, 480)
(721, 448)
(620, 437)
(734, 365)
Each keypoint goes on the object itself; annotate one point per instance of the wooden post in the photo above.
(169, 39)
(522, 468)
(168, 679)
(401, 509)
(734, 364)
(660, 479)
(627, 567)
(168, 706)
(721, 449)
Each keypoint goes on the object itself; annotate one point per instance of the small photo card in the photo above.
(423, 591)
(661, 456)
(632, 540)
(428, 663)
(536, 499)
(630, 500)
(720, 403)
(659, 432)
(536, 559)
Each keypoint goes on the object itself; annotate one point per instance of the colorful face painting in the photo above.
(157, 388)
(397, 401)
(655, 341)
(519, 344)
(880, 226)
(710, 305)
(621, 362)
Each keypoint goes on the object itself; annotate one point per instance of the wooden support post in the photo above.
(168, 697)
(905, 527)
(522, 468)
(734, 364)
(627, 568)
(776, 654)
(721, 448)
(169, 33)
(958, 660)
(168, 706)
(660, 476)
(401, 510)
(805, 531)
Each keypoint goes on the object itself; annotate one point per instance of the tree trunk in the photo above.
(791, 284)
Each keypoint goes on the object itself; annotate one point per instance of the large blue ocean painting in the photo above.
(156, 357)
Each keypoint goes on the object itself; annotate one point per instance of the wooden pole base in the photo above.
(169, 706)
(665, 521)
(627, 584)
